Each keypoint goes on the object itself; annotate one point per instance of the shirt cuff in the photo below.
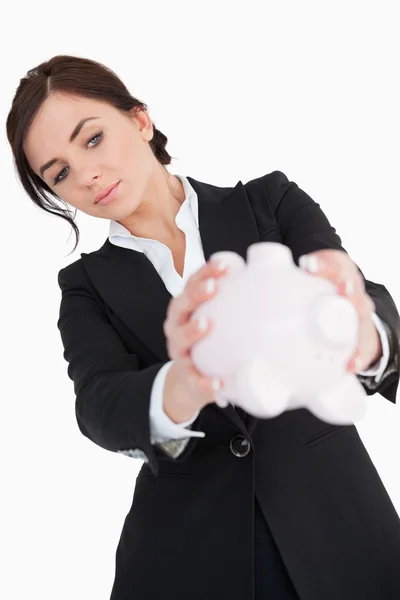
(379, 367)
(162, 428)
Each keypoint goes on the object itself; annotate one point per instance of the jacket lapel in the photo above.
(129, 284)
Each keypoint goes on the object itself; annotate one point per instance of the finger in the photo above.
(344, 274)
(352, 285)
(355, 363)
(335, 266)
(352, 288)
(201, 286)
(181, 307)
(186, 335)
(208, 386)
(328, 258)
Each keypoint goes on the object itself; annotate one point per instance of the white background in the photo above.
(240, 90)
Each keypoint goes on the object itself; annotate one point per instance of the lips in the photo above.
(105, 192)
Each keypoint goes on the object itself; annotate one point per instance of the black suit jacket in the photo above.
(189, 532)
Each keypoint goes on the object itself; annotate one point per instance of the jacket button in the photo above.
(240, 446)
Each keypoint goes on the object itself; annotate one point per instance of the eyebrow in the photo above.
(73, 135)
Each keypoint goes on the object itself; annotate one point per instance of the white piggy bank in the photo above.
(281, 339)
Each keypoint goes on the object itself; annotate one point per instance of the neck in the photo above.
(155, 217)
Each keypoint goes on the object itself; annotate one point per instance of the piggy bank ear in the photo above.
(233, 261)
(273, 255)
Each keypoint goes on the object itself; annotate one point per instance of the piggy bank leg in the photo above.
(258, 392)
(342, 405)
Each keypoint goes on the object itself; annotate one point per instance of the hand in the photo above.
(187, 389)
(338, 267)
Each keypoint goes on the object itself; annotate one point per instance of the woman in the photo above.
(225, 505)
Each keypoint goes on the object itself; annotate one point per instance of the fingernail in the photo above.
(309, 262)
(209, 285)
(216, 384)
(303, 261)
(202, 323)
(349, 289)
(313, 264)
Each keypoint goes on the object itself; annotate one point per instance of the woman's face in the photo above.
(110, 148)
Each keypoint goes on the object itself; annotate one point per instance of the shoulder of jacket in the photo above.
(271, 186)
(272, 183)
(72, 274)
(272, 177)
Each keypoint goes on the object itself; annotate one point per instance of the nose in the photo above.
(88, 179)
(87, 173)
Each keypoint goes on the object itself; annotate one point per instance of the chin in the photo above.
(123, 213)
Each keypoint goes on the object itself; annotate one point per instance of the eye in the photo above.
(98, 135)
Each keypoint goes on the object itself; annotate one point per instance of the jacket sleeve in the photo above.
(304, 229)
(112, 403)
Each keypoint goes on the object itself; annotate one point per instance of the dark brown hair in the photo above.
(76, 76)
